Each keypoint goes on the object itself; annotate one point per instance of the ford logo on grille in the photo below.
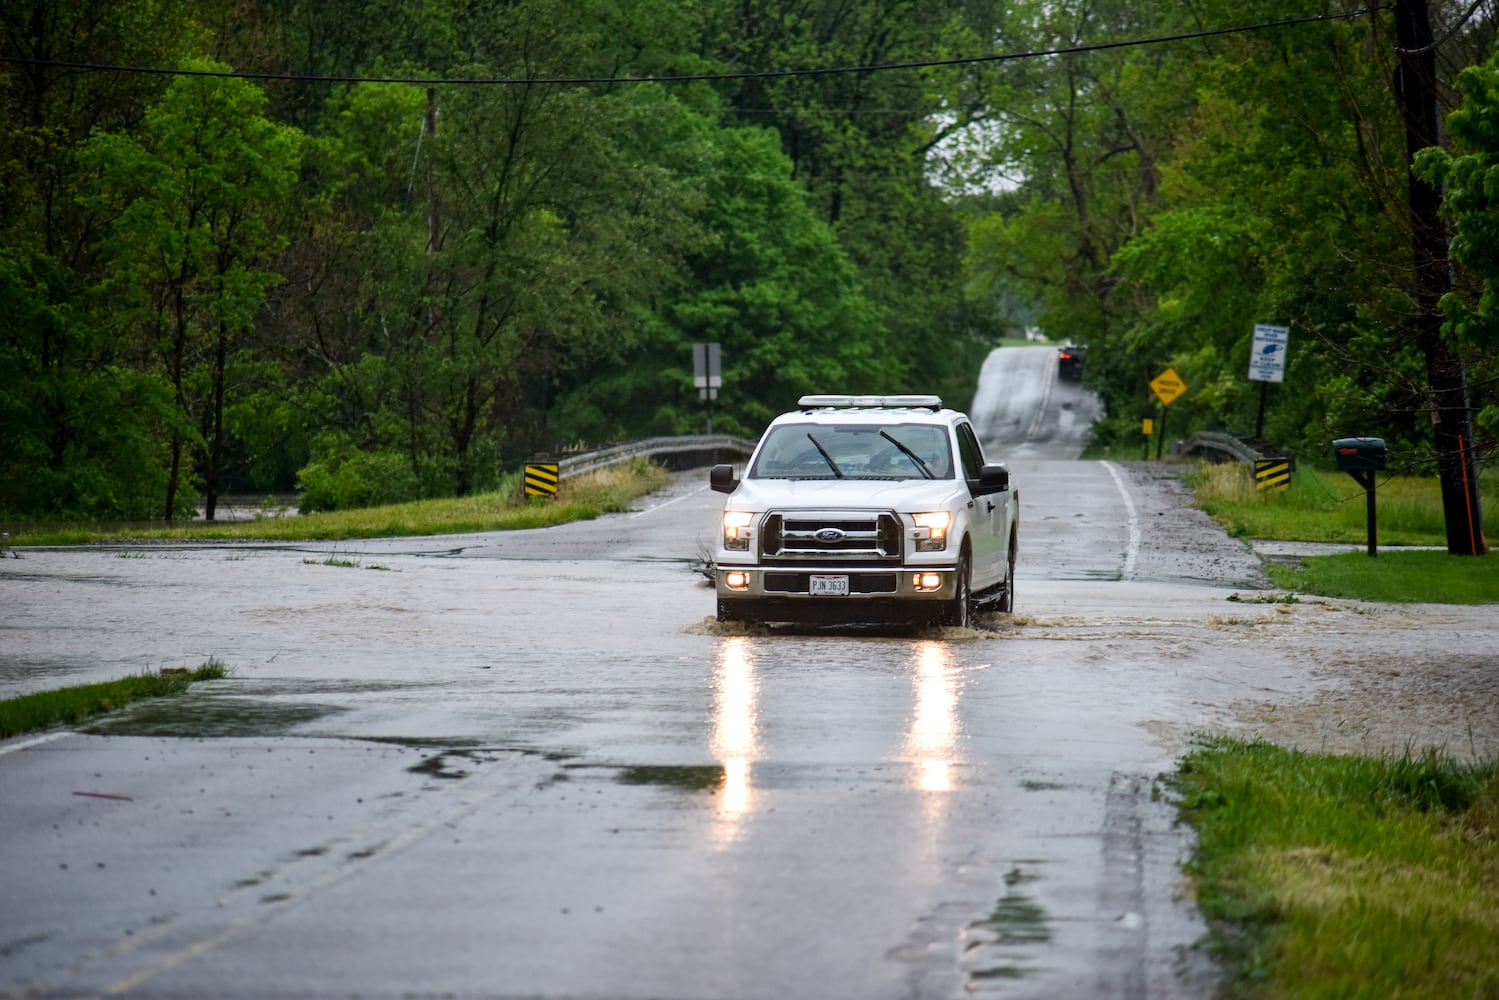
(829, 535)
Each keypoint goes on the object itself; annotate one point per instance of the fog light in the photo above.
(928, 581)
(736, 580)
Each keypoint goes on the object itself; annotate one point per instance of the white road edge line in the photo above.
(27, 744)
(1132, 547)
(684, 496)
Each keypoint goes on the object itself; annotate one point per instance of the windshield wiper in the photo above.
(837, 472)
(925, 469)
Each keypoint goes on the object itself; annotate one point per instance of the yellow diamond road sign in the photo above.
(1167, 386)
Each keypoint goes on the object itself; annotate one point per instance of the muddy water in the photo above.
(531, 764)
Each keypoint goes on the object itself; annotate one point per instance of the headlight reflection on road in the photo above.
(932, 739)
(735, 693)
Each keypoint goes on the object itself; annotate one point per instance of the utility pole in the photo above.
(434, 239)
(1446, 375)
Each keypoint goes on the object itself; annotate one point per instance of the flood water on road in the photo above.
(928, 813)
(530, 764)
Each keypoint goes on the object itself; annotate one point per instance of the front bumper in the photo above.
(876, 595)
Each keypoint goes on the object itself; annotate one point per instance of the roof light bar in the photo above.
(933, 403)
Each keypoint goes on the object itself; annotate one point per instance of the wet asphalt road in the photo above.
(529, 765)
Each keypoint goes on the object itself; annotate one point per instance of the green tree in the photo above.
(769, 282)
(508, 243)
(1469, 178)
(77, 416)
(1165, 198)
(863, 144)
(188, 246)
(1072, 145)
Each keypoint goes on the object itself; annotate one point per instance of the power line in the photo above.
(1447, 37)
(700, 77)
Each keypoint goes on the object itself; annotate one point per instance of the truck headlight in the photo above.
(736, 533)
(931, 530)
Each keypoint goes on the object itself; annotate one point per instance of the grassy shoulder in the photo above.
(1394, 577)
(579, 498)
(1330, 507)
(1322, 875)
(71, 705)
(1327, 507)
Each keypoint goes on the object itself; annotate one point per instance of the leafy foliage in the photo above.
(391, 289)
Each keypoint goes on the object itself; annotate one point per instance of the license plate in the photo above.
(829, 586)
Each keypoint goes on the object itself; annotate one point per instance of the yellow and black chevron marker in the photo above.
(541, 479)
(1272, 473)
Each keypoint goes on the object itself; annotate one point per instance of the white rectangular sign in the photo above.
(1267, 358)
(707, 373)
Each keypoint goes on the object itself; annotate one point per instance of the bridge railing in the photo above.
(675, 453)
(1269, 465)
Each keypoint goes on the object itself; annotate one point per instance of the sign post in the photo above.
(707, 375)
(1267, 363)
(1167, 386)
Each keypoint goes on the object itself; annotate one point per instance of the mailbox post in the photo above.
(1361, 457)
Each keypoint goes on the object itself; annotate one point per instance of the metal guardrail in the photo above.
(1222, 447)
(674, 452)
(690, 452)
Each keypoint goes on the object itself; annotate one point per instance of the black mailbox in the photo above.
(1359, 454)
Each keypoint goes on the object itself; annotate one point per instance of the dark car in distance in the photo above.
(1070, 362)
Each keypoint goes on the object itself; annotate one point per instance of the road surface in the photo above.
(529, 764)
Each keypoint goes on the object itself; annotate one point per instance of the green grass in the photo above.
(1395, 577)
(70, 705)
(1327, 876)
(1331, 507)
(579, 498)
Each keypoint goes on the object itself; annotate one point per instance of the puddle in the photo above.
(1001, 972)
(441, 767)
(445, 766)
(998, 941)
(210, 717)
(705, 777)
(1016, 919)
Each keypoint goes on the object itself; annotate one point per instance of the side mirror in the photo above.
(721, 479)
(993, 478)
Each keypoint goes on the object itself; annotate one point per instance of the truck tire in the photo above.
(959, 611)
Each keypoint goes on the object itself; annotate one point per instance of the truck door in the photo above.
(990, 515)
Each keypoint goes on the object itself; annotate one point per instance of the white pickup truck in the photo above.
(866, 509)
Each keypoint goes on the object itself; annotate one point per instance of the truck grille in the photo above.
(831, 536)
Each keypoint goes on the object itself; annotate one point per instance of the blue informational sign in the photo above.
(1267, 358)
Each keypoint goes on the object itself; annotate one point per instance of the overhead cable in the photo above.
(1452, 31)
(700, 77)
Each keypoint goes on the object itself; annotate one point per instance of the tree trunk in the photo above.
(174, 475)
(176, 364)
(215, 437)
(1446, 375)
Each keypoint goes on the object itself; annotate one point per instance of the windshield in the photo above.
(854, 451)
